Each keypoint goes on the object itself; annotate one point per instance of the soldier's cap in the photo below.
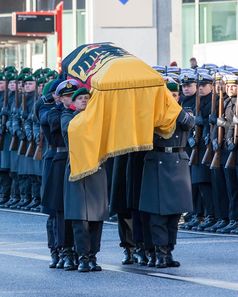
(21, 77)
(26, 70)
(234, 71)
(46, 88)
(52, 73)
(187, 78)
(171, 84)
(160, 69)
(80, 91)
(2, 76)
(174, 76)
(11, 76)
(230, 79)
(209, 66)
(67, 87)
(173, 69)
(38, 73)
(29, 78)
(226, 67)
(218, 76)
(41, 80)
(54, 84)
(187, 70)
(201, 70)
(10, 69)
(204, 78)
(46, 70)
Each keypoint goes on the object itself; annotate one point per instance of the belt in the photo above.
(61, 149)
(169, 149)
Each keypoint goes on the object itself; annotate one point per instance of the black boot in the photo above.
(128, 259)
(93, 264)
(170, 261)
(60, 264)
(3, 200)
(161, 256)
(34, 203)
(84, 264)
(196, 220)
(151, 258)
(233, 224)
(139, 255)
(208, 222)
(54, 259)
(69, 260)
(11, 201)
(219, 225)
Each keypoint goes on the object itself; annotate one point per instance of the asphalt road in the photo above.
(209, 266)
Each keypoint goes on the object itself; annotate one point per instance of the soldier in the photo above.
(52, 199)
(230, 173)
(165, 179)
(86, 200)
(5, 180)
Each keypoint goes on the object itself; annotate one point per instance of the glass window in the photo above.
(12, 5)
(217, 21)
(188, 32)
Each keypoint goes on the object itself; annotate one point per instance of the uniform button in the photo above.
(176, 136)
(160, 162)
(177, 162)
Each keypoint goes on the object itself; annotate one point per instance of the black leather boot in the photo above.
(233, 224)
(208, 222)
(84, 264)
(161, 256)
(139, 255)
(69, 260)
(218, 225)
(22, 203)
(34, 203)
(128, 258)
(54, 259)
(93, 264)
(3, 200)
(11, 201)
(60, 264)
(151, 258)
(170, 261)
(196, 220)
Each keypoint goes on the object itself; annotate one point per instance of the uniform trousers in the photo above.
(164, 229)
(204, 190)
(232, 190)
(5, 184)
(87, 237)
(125, 230)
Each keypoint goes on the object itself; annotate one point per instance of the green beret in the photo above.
(81, 91)
(26, 70)
(46, 70)
(47, 87)
(52, 73)
(21, 76)
(11, 76)
(173, 87)
(2, 76)
(29, 78)
(38, 73)
(11, 69)
(41, 80)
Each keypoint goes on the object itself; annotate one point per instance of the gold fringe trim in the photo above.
(146, 147)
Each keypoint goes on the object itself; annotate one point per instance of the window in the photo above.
(217, 21)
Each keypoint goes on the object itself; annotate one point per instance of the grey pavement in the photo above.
(208, 265)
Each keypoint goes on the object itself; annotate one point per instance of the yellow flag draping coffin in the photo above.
(129, 100)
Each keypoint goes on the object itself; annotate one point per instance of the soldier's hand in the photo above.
(198, 120)
(37, 138)
(20, 135)
(231, 146)
(213, 119)
(24, 115)
(235, 119)
(191, 142)
(215, 145)
(29, 135)
(221, 122)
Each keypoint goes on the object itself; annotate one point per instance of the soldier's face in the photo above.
(81, 102)
(20, 86)
(29, 86)
(66, 100)
(205, 89)
(219, 86)
(12, 85)
(56, 98)
(189, 89)
(231, 90)
(40, 88)
(2, 85)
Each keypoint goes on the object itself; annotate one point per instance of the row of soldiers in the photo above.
(21, 141)
(211, 92)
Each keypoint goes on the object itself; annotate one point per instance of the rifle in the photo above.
(39, 148)
(14, 142)
(22, 146)
(4, 117)
(207, 158)
(198, 133)
(231, 161)
(31, 147)
(217, 156)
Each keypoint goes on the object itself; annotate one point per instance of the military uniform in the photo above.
(166, 177)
